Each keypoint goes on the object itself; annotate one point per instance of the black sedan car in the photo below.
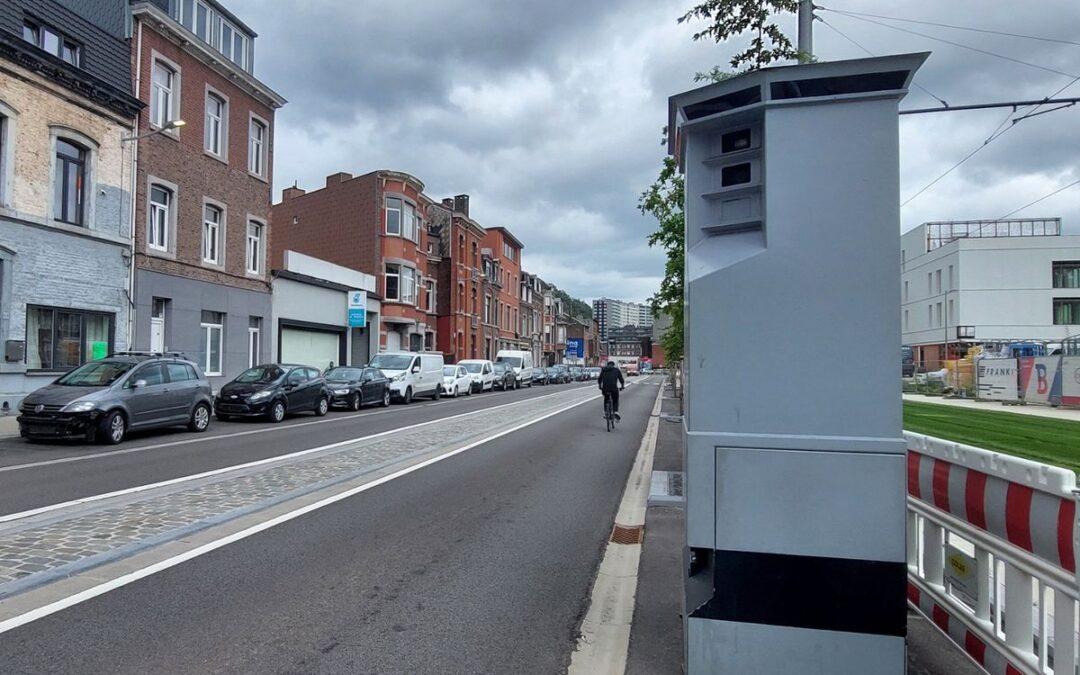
(354, 387)
(504, 376)
(272, 391)
(539, 376)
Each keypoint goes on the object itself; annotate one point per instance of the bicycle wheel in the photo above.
(609, 417)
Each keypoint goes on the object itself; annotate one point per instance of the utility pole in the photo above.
(806, 30)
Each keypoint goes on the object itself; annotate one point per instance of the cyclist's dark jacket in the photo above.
(610, 378)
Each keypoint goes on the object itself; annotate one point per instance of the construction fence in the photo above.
(1039, 380)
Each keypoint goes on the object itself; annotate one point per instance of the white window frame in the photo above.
(263, 145)
(400, 210)
(222, 151)
(218, 258)
(9, 118)
(160, 217)
(408, 285)
(429, 285)
(207, 334)
(172, 103)
(253, 256)
(254, 345)
(386, 276)
(408, 221)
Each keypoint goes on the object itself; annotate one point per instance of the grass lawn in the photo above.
(1038, 438)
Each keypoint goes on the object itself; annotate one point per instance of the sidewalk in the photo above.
(656, 636)
(1071, 414)
(8, 426)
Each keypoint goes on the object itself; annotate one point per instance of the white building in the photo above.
(973, 282)
(611, 314)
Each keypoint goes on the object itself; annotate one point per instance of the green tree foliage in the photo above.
(729, 18)
(664, 201)
(575, 307)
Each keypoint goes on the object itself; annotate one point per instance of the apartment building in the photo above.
(374, 223)
(977, 282)
(459, 278)
(611, 314)
(67, 113)
(531, 308)
(203, 186)
(505, 251)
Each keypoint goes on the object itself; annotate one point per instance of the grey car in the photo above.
(103, 400)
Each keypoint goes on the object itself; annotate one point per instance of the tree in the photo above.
(664, 201)
(734, 17)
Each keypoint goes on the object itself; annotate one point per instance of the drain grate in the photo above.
(622, 534)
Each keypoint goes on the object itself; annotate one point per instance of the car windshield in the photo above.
(512, 361)
(391, 361)
(449, 371)
(499, 367)
(260, 375)
(553, 370)
(96, 374)
(474, 367)
(341, 373)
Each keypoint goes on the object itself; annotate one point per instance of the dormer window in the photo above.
(211, 26)
(52, 41)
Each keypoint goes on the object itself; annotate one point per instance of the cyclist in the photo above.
(611, 381)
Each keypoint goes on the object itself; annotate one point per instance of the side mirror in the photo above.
(138, 384)
(416, 369)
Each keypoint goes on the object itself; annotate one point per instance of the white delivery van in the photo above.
(482, 373)
(521, 362)
(411, 374)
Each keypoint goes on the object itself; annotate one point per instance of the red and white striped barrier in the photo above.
(1020, 520)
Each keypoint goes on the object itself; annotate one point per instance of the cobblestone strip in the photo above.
(109, 526)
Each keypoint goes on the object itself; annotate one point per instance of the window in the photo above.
(736, 174)
(937, 281)
(408, 229)
(508, 250)
(162, 94)
(61, 339)
(951, 316)
(929, 316)
(905, 291)
(158, 309)
(202, 21)
(487, 309)
(157, 231)
(429, 288)
(1066, 311)
(214, 127)
(179, 372)
(392, 282)
(905, 319)
(952, 279)
(212, 339)
(937, 313)
(254, 248)
(257, 148)
(1066, 274)
(408, 285)
(51, 41)
(211, 234)
(254, 340)
(393, 216)
(69, 183)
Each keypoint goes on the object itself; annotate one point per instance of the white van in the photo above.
(521, 362)
(411, 374)
(481, 372)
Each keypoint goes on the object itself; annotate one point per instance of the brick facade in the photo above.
(460, 239)
(506, 255)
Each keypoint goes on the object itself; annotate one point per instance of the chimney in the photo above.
(461, 204)
(291, 193)
(339, 177)
(448, 203)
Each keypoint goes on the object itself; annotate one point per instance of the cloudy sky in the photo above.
(549, 113)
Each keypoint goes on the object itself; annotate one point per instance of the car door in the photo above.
(486, 377)
(147, 403)
(296, 393)
(369, 388)
(315, 385)
(180, 391)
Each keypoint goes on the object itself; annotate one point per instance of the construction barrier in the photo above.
(1039, 380)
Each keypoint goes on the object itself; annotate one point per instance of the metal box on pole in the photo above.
(795, 460)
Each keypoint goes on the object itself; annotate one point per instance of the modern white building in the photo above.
(611, 314)
(973, 282)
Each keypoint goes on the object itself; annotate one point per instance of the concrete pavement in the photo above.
(1072, 414)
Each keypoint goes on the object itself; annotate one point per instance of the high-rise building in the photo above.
(611, 314)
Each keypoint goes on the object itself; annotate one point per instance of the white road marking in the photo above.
(277, 458)
(209, 438)
(100, 589)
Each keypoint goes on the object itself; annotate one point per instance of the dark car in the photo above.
(577, 373)
(105, 399)
(554, 375)
(273, 390)
(354, 387)
(505, 378)
(539, 376)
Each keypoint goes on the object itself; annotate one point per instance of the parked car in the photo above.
(577, 374)
(554, 375)
(456, 381)
(354, 387)
(540, 376)
(273, 390)
(105, 399)
(411, 374)
(504, 376)
(521, 362)
(482, 373)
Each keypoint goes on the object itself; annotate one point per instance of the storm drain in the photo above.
(622, 534)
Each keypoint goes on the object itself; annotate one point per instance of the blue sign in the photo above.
(575, 347)
(357, 309)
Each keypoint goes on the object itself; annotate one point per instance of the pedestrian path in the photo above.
(1071, 414)
(39, 546)
(8, 426)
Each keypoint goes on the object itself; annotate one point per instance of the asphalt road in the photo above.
(479, 563)
(37, 474)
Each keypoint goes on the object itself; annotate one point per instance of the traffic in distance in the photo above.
(102, 401)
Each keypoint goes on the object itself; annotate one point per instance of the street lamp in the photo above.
(169, 126)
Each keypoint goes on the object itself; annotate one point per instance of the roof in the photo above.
(508, 234)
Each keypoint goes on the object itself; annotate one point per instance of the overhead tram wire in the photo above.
(947, 25)
(1046, 196)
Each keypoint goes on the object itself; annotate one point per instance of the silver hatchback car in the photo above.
(105, 399)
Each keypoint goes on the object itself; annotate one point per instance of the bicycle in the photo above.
(609, 411)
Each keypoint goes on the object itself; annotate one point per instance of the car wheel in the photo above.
(112, 428)
(438, 394)
(200, 418)
(386, 398)
(357, 402)
(321, 406)
(407, 399)
(277, 412)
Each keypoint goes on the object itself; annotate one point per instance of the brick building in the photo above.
(505, 252)
(65, 178)
(203, 190)
(531, 307)
(374, 223)
(459, 279)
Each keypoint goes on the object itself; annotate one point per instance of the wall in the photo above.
(310, 303)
